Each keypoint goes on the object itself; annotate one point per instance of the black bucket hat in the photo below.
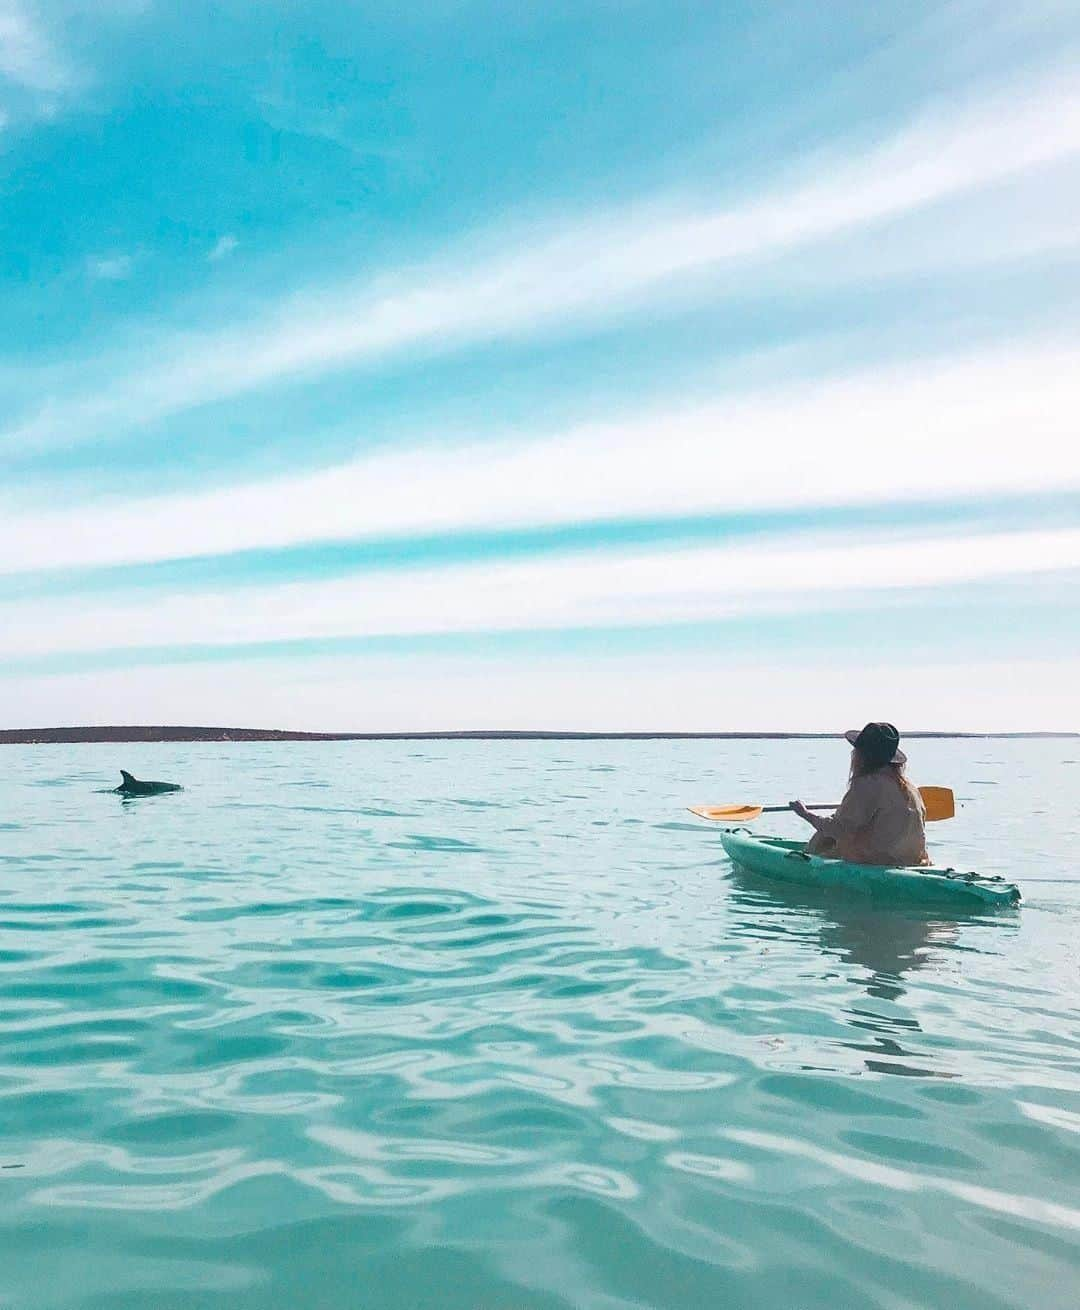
(878, 743)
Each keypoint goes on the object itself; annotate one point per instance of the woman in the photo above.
(882, 819)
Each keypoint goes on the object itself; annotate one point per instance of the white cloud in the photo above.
(110, 268)
(40, 74)
(222, 248)
(27, 56)
(604, 590)
(1001, 422)
(584, 271)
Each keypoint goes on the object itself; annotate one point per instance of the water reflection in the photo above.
(882, 944)
(886, 945)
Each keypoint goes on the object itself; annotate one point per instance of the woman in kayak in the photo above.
(882, 819)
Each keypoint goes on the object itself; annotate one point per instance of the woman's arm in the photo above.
(853, 813)
(803, 813)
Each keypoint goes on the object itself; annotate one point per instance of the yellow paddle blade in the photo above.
(727, 813)
(939, 801)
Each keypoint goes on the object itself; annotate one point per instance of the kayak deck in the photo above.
(788, 861)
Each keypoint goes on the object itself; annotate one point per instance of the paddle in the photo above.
(939, 802)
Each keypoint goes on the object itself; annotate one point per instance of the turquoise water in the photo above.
(497, 1025)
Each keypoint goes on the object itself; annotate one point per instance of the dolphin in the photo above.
(133, 787)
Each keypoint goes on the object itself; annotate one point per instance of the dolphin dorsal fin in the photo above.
(128, 779)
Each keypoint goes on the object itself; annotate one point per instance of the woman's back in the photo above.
(882, 820)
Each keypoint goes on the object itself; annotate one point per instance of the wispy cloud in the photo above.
(110, 268)
(314, 561)
(48, 52)
(27, 56)
(581, 273)
(222, 248)
(651, 588)
(997, 422)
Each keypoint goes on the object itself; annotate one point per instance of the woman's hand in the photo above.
(800, 809)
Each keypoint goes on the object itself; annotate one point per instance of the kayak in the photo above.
(788, 861)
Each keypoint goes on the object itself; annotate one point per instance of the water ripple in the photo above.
(494, 1024)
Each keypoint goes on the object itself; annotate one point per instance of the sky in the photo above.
(593, 364)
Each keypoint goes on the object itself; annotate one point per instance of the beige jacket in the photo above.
(878, 822)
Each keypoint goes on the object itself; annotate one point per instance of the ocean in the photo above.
(496, 1024)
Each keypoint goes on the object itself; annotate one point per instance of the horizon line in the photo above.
(162, 733)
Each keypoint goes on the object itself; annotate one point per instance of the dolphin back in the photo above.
(132, 786)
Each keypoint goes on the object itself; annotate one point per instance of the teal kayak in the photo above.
(787, 861)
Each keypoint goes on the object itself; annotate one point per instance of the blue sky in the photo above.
(586, 365)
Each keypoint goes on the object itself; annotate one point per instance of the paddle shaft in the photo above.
(779, 809)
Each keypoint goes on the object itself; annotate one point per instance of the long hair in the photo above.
(860, 767)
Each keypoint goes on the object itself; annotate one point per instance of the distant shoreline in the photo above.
(133, 734)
